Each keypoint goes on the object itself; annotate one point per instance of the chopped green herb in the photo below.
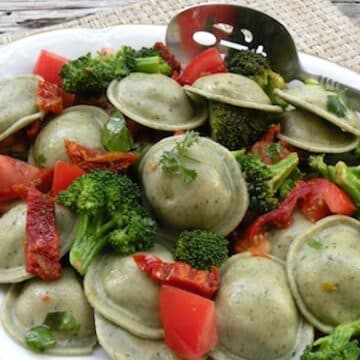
(273, 151)
(173, 161)
(62, 321)
(315, 243)
(336, 105)
(39, 338)
(40, 160)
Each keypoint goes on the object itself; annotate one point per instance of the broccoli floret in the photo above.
(147, 52)
(201, 249)
(104, 202)
(138, 234)
(236, 127)
(347, 177)
(341, 344)
(263, 180)
(257, 67)
(91, 74)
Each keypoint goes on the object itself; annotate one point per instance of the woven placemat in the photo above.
(318, 27)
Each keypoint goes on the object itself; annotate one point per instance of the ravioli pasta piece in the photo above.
(256, 315)
(27, 304)
(81, 124)
(216, 200)
(310, 132)
(233, 89)
(18, 103)
(323, 267)
(123, 294)
(156, 101)
(12, 237)
(281, 239)
(314, 99)
(119, 344)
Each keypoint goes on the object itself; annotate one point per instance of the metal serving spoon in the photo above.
(234, 26)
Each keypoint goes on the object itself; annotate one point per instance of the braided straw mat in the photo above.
(318, 27)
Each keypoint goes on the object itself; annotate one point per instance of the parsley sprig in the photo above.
(174, 161)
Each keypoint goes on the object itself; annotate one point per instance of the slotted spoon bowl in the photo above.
(233, 26)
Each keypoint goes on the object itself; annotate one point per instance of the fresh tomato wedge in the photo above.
(64, 175)
(325, 198)
(189, 322)
(12, 172)
(207, 62)
(48, 65)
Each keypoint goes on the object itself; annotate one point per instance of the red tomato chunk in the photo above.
(48, 65)
(64, 175)
(189, 322)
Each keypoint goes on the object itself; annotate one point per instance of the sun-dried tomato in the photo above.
(168, 56)
(89, 159)
(52, 98)
(182, 275)
(316, 199)
(42, 244)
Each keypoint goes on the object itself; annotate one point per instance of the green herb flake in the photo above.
(173, 161)
(336, 105)
(40, 338)
(40, 160)
(273, 151)
(315, 244)
(62, 321)
(311, 81)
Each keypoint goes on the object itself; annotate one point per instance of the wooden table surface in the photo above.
(16, 15)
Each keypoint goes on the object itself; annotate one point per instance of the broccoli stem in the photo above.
(152, 64)
(348, 178)
(282, 169)
(90, 239)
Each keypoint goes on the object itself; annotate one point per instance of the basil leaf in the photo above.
(39, 338)
(62, 321)
(336, 105)
(315, 244)
(115, 135)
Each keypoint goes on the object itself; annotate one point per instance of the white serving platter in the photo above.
(19, 58)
